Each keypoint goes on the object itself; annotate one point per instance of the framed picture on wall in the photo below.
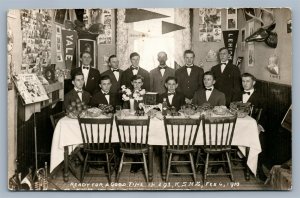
(251, 55)
(87, 45)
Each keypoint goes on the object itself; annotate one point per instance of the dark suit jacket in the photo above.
(127, 75)
(92, 81)
(216, 98)
(228, 82)
(177, 102)
(188, 85)
(99, 98)
(157, 81)
(115, 87)
(73, 96)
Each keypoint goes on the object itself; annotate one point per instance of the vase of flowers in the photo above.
(134, 97)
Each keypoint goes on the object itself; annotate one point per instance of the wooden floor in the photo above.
(136, 181)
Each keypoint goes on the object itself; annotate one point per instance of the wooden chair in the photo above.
(181, 135)
(217, 138)
(56, 117)
(133, 139)
(96, 136)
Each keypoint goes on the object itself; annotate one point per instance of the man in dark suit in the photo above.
(135, 69)
(190, 77)
(209, 94)
(91, 75)
(174, 98)
(159, 75)
(77, 93)
(228, 77)
(104, 96)
(114, 73)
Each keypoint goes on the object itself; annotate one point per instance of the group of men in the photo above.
(189, 84)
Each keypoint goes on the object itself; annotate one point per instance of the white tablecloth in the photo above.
(67, 133)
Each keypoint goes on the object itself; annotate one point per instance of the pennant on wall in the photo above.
(135, 15)
(69, 39)
(230, 40)
(170, 27)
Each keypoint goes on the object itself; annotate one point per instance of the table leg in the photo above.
(163, 160)
(66, 163)
(150, 163)
(247, 170)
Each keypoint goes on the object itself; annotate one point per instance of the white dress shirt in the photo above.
(116, 73)
(85, 73)
(189, 69)
(208, 92)
(223, 65)
(106, 96)
(170, 97)
(135, 71)
(79, 93)
(162, 71)
(247, 96)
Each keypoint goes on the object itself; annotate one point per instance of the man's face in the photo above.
(223, 55)
(189, 59)
(208, 81)
(86, 59)
(171, 85)
(105, 85)
(78, 81)
(162, 58)
(135, 61)
(137, 84)
(247, 83)
(114, 63)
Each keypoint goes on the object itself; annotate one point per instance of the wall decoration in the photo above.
(36, 34)
(58, 29)
(289, 26)
(243, 37)
(230, 41)
(231, 19)
(210, 25)
(248, 11)
(59, 57)
(30, 88)
(87, 45)
(69, 38)
(10, 63)
(239, 61)
(58, 43)
(60, 16)
(211, 56)
(251, 58)
(273, 64)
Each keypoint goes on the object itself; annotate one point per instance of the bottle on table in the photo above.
(164, 107)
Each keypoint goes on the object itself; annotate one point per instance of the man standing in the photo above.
(228, 77)
(190, 77)
(114, 73)
(91, 75)
(159, 75)
(133, 70)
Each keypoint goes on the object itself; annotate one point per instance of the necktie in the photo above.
(85, 67)
(208, 89)
(246, 92)
(171, 94)
(115, 70)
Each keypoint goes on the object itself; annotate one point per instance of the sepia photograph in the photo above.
(149, 99)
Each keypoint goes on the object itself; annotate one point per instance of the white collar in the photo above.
(226, 62)
(76, 89)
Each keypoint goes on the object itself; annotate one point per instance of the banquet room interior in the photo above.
(149, 99)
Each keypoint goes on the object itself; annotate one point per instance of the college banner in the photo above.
(230, 40)
(69, 39)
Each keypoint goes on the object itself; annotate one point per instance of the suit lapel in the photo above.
(75, 95)
(212, 95)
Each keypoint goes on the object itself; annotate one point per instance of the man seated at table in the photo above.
(209, 94)
(77, 93)
(104, 96)
(173, 97)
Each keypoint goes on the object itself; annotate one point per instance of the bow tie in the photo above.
(223, 63)
(79, 91)
(190, 66)
(208, 89)
(246, 92)
(107, 93)
(171, 94)
(162, 67)
(115, 70)
(85, 67)
(134, 68)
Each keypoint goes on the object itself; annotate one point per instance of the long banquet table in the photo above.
(67, 135)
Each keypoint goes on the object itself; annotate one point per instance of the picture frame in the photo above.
(87, 45)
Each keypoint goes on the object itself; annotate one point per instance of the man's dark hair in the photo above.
(210, 74)
(171, 78)
(105, 77)
(112, 56)
(249, 75)
(85, 52)
(136, 77)
(223, 48)
(133, 54)
(78, 73)
(189, 52)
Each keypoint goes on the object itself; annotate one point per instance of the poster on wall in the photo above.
(210, 25)
(251, 58)
(273, 66)
(87, 45)
(231, 19)
(30, 88)
(36, 43)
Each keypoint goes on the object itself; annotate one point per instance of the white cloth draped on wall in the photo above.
(146, 38)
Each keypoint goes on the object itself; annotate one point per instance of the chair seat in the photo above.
(134, 151)
(181, 151)
(217, 149)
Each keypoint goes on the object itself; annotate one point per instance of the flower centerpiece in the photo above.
(134, 97)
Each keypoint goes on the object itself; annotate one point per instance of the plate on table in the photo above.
(94, 112)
